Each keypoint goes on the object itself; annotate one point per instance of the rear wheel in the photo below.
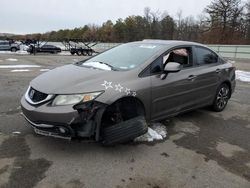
(222, 97)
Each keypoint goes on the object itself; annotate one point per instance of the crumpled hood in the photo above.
(70, 79)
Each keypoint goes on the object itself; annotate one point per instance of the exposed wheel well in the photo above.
(121, 110)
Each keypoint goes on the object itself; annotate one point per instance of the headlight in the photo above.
(74, 99)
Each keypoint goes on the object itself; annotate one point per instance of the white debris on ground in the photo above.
(22, 52)
(16, 132)
(11, 59)
(64, 53)
(20, 70)
(156, 132)
(243, 76)
(19, 52)
(18, 66)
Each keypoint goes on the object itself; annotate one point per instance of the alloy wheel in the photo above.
(222, 97)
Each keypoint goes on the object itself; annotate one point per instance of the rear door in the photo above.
(206, 77)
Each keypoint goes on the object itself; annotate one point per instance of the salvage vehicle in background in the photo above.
(9, 46)
(79, 46)
(81, 51)
(44, 49)
(111, 97)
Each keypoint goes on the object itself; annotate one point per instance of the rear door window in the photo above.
(205, 56)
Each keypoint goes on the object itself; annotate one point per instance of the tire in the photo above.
(221, 99)
(72, 53)
(125, 131)
(78, 53)
(13, 49)
(123, 121)
(90, 53)
(84, 53)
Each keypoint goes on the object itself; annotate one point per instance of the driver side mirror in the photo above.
(170, 67)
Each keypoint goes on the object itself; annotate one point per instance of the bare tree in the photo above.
(224, 17)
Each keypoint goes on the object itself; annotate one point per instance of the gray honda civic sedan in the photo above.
(112, 96)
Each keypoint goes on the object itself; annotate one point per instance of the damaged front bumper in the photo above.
(81, 120)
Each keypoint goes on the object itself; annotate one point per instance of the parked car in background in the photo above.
(109, 97)
(9, 46)
(44, 49)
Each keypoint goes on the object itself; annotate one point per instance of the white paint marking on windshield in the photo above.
(123, 67)
(98, 65)
(147, 46)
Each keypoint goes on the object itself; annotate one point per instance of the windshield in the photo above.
(126, 56)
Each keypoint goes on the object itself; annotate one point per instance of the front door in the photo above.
(169, 95)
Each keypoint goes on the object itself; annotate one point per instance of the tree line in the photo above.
(222, 22)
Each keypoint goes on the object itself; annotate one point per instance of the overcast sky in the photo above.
(30, 16)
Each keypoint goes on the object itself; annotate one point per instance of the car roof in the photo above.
(170, 42)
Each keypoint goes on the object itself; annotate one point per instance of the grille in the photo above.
(36, 96)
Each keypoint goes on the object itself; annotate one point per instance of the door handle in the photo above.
(218, 70)
(191, 77)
